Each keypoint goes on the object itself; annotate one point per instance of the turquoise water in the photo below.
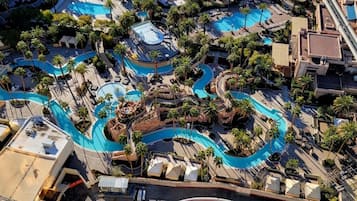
(236, 21)
(116, 89)
(141, 70)
(142, 14)
(351, 12)
(199, 86)
(267, 41)
(48, 67)
(133, 96)
(85, 8)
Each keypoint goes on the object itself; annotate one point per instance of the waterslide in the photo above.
(199, 86)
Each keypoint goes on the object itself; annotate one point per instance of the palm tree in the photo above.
(122, 139)
(232, 58)
(82, 70)
(209, 153)
(58, 60)
(120, 49)
(36, 43)
(109, 4)
(273, 133)
(245, 11)
(83, 113)
(149, 6)
(71, 64)
(154, 55)
(194, 112)
(128, 151)
(28, 55)
(185, 108)
(295, 112)
(218, 162)
(262, 7)
(211, 110)
(174, 88)
(173, 114)
(102, 114)
(331, 135)
(141, 150)
(5, 81)
(348, 131)
(343, 104)
(204, 20)
(22, 47)
(137, 136)
(201, 156)
(21, 72)
(81, 38)
(245, 108)
(304, 81)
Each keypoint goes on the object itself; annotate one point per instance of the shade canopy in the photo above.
(272, 184)
(292, 187)
(173, 171)
(312, 191)
(155, 168)
(191, 173)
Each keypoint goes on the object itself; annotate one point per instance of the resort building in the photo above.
(33, 159)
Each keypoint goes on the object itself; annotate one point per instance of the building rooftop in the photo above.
(39, 136)
(280, 54)
(31, 159)
(324, 45)
(327, 24)
(298, 23)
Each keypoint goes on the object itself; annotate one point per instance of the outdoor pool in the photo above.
(236, 21)
(116, 89)
(133, 96)
(142, 15)
(85, 8)
(199, 86)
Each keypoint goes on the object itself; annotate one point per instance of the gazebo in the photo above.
(312, 191)
(155, 168)
(292, 188)
(68, 41)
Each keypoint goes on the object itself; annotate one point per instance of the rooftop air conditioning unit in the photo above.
(47, 143)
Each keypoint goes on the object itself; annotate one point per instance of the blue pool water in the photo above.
(141, 70)
(116, 89)
(236, 21)
(142, 14)
(267, 41)
(85, 8)
(48, 67)
(199, 86)
(351, 12)
(133, 96)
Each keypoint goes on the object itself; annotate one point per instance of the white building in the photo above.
(32, 160)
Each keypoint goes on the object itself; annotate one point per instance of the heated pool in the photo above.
(236, 21)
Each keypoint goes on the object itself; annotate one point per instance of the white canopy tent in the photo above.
(272, 184)
(113, 184)
(292, 187)
(173, 171)
(68, 41)
(191, 173)
(155, 168)
(312, 191)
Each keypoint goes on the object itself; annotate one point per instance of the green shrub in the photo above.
(328, 163)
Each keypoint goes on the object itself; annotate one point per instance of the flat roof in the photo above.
(30, 158)
(298, 23)
(39, 136)
(324, 45)
(113, 182)
(24, 175)
(327, 23)
(280, 54)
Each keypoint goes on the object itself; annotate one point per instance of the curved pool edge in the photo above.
(199, 87)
